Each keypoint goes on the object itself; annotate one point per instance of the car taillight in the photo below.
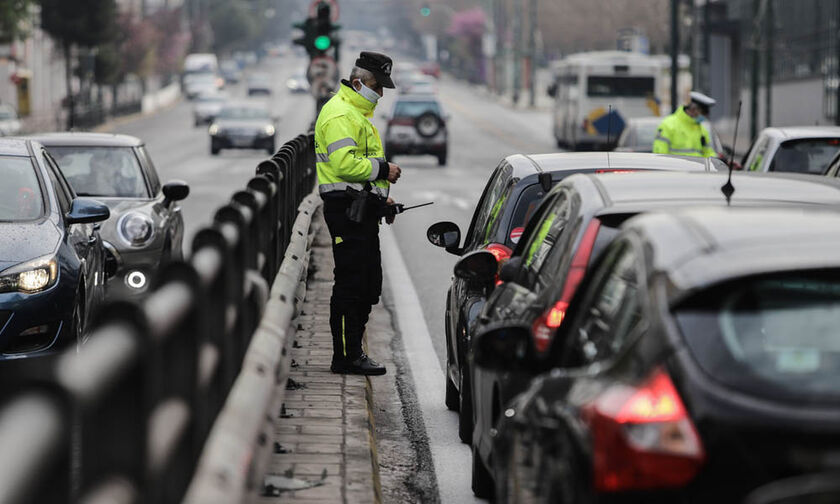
(548, 322)
(642, 437)
(501, 253)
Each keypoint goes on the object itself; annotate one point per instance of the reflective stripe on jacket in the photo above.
(680, 134)
(348, 150)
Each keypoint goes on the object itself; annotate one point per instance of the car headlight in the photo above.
(135, 229)
(214, 129)
(268, 130)
(31, 276)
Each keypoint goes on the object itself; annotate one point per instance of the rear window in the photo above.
(620, 86)
(805, 156)
(771, 336)
(415, 108)
(20, 193)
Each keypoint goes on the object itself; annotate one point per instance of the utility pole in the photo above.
(755, 40)
(517, 51)
(532, 53)
(837, 67)
(769, 29)
(675, 51)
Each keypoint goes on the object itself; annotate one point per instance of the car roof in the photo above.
(622, 161)
(673, 186)
(798, 132)
(702, 246)
(86, 139)
(13, 147)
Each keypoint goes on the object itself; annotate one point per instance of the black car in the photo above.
(576, 221)
(52, 266)
(247, 125)
(417, 125)
(510, 198)
(146, 228)
(700, 360)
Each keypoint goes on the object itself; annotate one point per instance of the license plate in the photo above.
(242, 141)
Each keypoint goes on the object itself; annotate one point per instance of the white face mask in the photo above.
(369, 94)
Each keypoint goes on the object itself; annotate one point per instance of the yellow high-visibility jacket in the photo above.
(680, 134)
(348, 150)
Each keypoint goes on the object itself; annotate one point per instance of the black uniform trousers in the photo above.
(358, 276)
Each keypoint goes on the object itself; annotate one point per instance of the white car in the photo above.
(196, 84)
(799, 149)
(9, 122)
(207, 107)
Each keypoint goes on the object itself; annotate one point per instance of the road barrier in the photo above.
(126, 418)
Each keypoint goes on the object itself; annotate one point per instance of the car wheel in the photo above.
(442, 159)
(452, 399)
(482, 481)
(465, 417)
(77, 326)
(270, 149)
(214, 150)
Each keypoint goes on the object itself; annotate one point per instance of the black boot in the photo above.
(364, 365)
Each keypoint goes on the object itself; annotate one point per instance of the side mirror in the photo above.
(87, 211)
(552, 90)
(175, 191)
(510, 269)
(445, 234)
(504, 348)
(480, 265)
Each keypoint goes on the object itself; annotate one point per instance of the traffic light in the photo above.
(425, 11)
(319, 32)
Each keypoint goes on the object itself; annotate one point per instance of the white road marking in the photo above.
(451, 458)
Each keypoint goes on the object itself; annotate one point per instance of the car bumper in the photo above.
(242, 142)
(35, 325)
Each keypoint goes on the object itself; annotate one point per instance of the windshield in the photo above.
(102, 171)
(20, 192)
(243, 113)
(770, 336)
(200, 78)
(640, 87)
(805, 156)
(415, 108)
(211, 98)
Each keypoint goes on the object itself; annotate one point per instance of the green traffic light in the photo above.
(322, 43)
(425, 11)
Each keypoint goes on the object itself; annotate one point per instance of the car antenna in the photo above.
(728, 189)
(609, 134)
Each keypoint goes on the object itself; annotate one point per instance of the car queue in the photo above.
(630, 331)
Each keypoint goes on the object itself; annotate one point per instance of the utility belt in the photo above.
(360, 206)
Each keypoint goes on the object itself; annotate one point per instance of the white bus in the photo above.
(588, 85)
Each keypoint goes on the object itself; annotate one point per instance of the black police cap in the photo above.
(379, 65)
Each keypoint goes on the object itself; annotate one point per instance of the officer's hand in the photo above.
(390, 218)
(394, 172)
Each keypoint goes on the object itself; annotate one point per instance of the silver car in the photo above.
(802, 149)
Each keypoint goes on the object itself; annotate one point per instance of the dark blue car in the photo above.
(52, 273)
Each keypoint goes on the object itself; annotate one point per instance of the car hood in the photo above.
(22, 242)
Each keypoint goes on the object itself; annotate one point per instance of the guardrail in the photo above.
(125, 419)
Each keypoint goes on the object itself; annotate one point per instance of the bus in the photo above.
(595, 93)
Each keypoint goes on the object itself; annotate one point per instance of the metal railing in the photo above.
(126, 418)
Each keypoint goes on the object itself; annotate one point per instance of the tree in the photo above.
(232, 23)
(13, 16)
(86, 23)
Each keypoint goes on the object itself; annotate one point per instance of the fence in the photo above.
(126, 419)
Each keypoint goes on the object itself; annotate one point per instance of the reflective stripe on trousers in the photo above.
(342, 186)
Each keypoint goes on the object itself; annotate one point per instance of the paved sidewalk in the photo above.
(325, 444)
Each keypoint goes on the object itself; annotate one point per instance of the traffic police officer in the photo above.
(349, 154)
(683, 132)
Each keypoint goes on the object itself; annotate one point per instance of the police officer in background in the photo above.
(683, 133)
(354, 181)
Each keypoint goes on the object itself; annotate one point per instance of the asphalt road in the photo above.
(482, 132)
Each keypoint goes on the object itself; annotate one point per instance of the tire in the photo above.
(270, 150)
(442, 159)
(465, 416)
(428, 124)
(76, 334)
(453, 401)
(214, 150)
(482, 481)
